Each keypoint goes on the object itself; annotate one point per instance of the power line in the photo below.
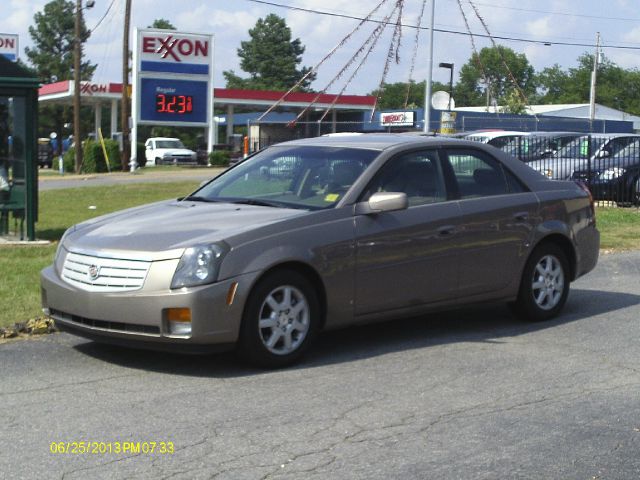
(103, 16)
(564, 14)
(442, 30)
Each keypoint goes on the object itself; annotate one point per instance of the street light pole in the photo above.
(427, 88)
(594, 74)
(77, 59)
(450, 67)
(124, 100)
(77, 54)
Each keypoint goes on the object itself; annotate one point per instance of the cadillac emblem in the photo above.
(94, 272)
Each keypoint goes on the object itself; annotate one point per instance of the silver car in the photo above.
(575, 154)
(362, 228)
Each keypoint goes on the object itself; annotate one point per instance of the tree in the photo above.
(52, 55)
(616, 87)
(162, 24)
(270, 58)
(393, 95)
(53, 38)
(484, 79)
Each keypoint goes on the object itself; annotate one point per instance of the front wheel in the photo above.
(544, 287)
(281, 319)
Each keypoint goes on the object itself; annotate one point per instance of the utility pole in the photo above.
(77, 55)
(592, 94)
(124, 104)
(427, 88)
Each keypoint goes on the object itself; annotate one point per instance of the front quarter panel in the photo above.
(322, 241)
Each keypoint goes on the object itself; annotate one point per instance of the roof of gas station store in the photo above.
(62, 92)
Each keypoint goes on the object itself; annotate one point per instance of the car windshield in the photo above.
(305, 177)
(629, 152)
(579, 147)
(169, 144)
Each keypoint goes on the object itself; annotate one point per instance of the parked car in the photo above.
(615, 178)
(495, 138)
(168, 151)
(577, 154)
(538, 145)
(364, 228)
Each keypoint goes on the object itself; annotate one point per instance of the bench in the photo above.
(15, 205)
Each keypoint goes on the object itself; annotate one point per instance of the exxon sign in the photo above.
(9, 46)
(174, 52)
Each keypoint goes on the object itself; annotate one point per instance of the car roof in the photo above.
(372, 141)
(554, 134)
(495, 134)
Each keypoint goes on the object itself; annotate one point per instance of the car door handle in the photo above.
(446, 230)
(521, 216)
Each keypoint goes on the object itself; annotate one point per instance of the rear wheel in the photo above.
(281, 319)
(544, 287)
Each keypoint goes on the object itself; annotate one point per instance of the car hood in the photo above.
(163, 230)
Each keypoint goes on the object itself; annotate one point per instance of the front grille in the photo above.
(105, 325)
(106, 275)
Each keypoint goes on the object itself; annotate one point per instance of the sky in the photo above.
(557, 22)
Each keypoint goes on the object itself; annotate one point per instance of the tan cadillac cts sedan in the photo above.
(319, 234)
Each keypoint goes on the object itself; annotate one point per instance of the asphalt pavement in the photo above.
(472, 394)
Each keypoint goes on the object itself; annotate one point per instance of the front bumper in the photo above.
(139, 318)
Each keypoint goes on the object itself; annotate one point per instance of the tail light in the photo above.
(583, 186)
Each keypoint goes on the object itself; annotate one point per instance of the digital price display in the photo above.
(173, 102)
(179, 104)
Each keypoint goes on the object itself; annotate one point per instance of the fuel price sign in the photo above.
(170, 101)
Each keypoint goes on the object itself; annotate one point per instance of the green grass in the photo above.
(619, 228)
(20, 265)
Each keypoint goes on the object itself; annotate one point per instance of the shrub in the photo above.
(93, 158)
(68, 160)
(219, 158)
(141, 154)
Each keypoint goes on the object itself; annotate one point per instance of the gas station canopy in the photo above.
(99, 95)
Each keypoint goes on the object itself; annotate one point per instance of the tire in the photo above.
(280, 320)
(544, 287)
(157, 161)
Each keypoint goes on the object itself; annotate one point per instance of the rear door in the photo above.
(497, 218)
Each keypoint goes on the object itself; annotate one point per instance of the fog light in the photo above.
(179, 321)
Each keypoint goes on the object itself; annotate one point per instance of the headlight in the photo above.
(198, 266)
(611, 173)
(547, 172)
(58, 259)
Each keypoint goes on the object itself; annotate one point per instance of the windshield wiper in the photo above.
(260, 203)
(196, 198)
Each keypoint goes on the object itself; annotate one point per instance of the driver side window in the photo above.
(418, 174)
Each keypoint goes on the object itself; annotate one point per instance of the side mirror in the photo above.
(383, 202)
(148, 147)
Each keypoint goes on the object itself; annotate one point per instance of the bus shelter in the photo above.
(18, 151)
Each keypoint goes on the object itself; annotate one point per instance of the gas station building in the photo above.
(345, 110)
